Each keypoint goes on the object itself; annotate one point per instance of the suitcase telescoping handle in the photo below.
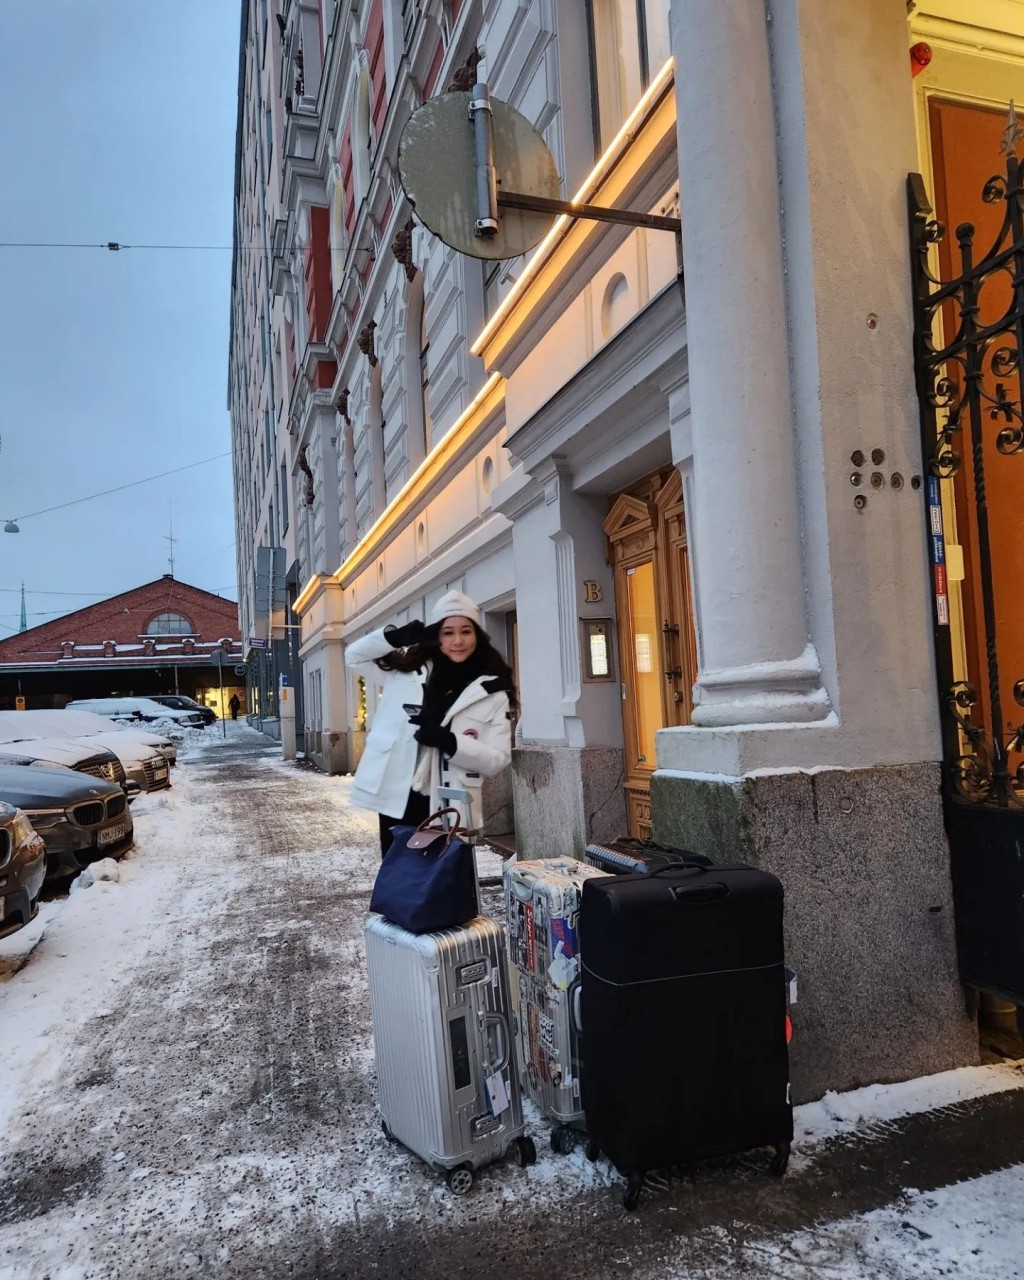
(458, 796)
(696, 891)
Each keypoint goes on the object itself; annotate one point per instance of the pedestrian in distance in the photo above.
(234, 705)
(442, 719)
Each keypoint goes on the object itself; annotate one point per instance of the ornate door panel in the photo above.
(647, 548)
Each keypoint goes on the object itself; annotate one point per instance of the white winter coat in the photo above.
(393, 761)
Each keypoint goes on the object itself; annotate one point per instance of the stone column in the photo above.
(757, 666)
(847, 812)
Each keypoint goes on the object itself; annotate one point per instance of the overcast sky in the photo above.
(118, 123)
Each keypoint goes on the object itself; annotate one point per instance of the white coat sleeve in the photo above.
(488, 748)
(362, 653)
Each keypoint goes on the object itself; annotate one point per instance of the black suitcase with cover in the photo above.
(683, 1018)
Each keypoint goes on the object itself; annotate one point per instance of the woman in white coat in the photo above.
(460, 693)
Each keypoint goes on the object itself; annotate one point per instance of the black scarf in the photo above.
(448, 679)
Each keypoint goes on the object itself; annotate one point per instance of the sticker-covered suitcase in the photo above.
(446, 1072)
(541, 906)
(684, 1018)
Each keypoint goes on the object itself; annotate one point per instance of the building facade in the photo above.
(692, 505)
(163, 637)
(259, 376)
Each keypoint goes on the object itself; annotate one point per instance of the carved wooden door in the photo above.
(647, 547)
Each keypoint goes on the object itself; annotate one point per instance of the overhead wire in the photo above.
(115, 246)
(120, 487)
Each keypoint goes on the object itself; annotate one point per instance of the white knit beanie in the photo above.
(455, 605)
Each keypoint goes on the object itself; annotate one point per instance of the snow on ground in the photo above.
(187, 1088)
(969, 1231)
(839, 1115)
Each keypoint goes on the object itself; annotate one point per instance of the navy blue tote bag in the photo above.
(427, 881)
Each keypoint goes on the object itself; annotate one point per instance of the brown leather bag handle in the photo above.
(425, 835)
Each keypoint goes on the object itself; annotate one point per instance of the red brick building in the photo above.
(163, 637)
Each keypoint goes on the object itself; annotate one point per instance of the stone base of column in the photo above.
(496, 797)
(330, 752)
(862, 855)
(565, 796)
(781, 692)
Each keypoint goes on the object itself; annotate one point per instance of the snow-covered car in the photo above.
(64, 753)
(22, 869)
(80, 819)
(86, 724)
(132, 710)
(179, 702)
(145, 767)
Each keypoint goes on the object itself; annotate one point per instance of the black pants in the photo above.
(416, 811)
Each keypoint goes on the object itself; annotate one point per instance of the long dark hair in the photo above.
(486, 660)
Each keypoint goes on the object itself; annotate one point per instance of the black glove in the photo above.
(435, 735)
(410, 633)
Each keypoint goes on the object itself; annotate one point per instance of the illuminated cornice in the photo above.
(306, 595)
(659, 87)
(414, 494)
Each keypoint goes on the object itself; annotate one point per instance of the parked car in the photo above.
(53, 753)
(180, 703)
(86, 724)
(80, 819)
(22, 869)
(137, 709)
(145, 768)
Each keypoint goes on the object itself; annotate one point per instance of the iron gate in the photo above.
(968, 348)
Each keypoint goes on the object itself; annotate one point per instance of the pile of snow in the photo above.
(106, 869)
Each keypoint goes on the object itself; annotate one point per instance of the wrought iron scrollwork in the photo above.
(970, 395)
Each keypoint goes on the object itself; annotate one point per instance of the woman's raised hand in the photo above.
(410, 633)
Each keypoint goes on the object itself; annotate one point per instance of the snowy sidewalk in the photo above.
(187, 1090)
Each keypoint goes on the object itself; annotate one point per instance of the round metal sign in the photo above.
(437, 163)
(239, 671)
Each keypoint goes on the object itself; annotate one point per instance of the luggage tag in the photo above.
(498, 1099)
(563, 969)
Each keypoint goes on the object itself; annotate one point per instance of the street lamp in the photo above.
(11, 527)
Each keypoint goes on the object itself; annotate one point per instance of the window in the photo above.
(170, 624)
(628, 45)
(284, 498)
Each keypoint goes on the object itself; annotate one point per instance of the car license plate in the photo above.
(160, 774)
(116, 832)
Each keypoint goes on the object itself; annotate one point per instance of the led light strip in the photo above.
(307, 593)
(561, 223)
(431, 463)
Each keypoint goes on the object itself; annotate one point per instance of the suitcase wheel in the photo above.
(631, 1195)
(593, 1151)
(524, 1152)
(563, 1139)
(460, 1180)
(780, 1160)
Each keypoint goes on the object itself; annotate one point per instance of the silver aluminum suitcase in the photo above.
(447, 1081)
(541, 904)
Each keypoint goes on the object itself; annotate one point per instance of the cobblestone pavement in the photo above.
(197, 1098)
